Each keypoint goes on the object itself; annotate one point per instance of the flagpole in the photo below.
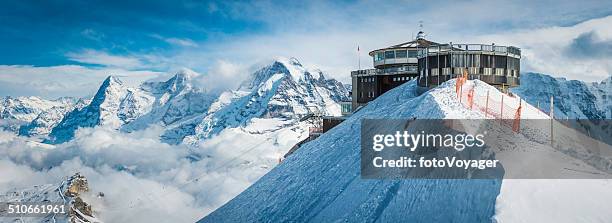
(359, 57)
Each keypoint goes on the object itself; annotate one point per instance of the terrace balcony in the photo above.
(492, 49)
(411, 69)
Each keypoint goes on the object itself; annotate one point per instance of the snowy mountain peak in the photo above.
(110, 85)
(297, 71)
(286, 67)
(182, 80)
(112, 80)
(102, 110)
(292, 61)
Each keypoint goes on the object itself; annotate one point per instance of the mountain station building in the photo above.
(433, 63)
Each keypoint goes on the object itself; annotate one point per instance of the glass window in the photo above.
(401, 53)
(379, 56)
(346, 108)
(412, 53)
(389, 54)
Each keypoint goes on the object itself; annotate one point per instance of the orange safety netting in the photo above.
(492, 107)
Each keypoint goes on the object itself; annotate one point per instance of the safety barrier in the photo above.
(490, 106)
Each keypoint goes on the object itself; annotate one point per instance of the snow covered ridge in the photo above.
(321, 181)
(15, 112)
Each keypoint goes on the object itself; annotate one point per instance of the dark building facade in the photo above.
(496, 65)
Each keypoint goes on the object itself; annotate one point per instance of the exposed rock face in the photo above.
(80, 211)
(69, 192)
(77, 184)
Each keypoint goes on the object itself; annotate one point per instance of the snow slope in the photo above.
(15, 112)
(42, 125)
(321, 181)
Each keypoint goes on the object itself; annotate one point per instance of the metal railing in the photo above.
(509, 50)
(385, 71)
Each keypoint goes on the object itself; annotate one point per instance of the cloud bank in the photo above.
(143, 179)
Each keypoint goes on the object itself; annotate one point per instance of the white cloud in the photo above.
(143, 179)
(224, 75)
(65, 80)
(93, 34)
(96, 57)
(553, 50)
(181, 42)
(184, 42)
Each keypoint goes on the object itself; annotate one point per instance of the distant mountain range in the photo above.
(284, 89)
(572, 99)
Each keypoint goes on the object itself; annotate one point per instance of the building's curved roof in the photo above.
(412, 44)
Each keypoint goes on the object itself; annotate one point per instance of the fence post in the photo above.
(501, 113)
(460, 92)
(471, 98)
(517, 117)
(552, 118)
(487, 105)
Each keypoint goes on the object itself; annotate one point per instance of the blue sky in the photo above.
(86, 40)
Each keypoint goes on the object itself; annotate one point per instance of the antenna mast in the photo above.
(420, 34)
